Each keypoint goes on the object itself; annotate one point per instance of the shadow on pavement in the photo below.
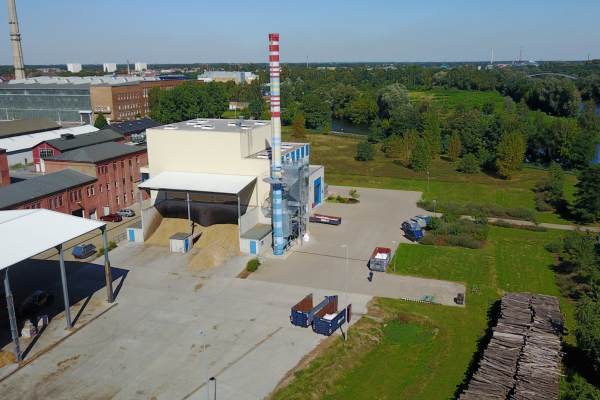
(83, 280)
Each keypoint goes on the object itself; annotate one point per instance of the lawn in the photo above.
(446, 184)
(372, 366)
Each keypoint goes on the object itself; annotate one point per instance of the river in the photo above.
(341, 125)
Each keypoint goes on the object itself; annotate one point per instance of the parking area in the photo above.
(374, 222)
(147, 345)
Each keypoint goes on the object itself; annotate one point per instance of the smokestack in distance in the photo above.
(15, 38)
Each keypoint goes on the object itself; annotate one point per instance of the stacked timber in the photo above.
(539, 364)
(522, 360)
(495, 377)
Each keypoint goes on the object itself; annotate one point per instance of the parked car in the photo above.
(39, 299)
(84, 250)
(126, 213)
(111, 217)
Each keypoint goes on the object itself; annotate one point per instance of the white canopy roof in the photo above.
(26, 233)
(198, 182)
(22, 142)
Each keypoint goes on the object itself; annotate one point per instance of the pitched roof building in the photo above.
(27, 126)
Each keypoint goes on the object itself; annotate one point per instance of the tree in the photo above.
(255, 108)
(299, 126)
(390, 98)
(354, 194)
(488, 108)
(453, 151)
(365, 151)
(469, 164)
(587, 330)
(361, 111)
(587, 195)
(316, 111)
(100, 121)
(511, 150)
(407, 146)
(432, 134)
(288, 115)
(327, 128)
(557, 180)
(394, 147)
(420, 159)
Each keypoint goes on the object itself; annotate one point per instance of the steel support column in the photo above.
(107, 270)
(239, 217)
(189, 217)
(141, 211)
(63, 277)
(10, 304)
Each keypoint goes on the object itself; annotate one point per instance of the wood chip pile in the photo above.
(523, 356)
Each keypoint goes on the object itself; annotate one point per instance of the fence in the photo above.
(121, 237)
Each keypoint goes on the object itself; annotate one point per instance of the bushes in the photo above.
(428, 240)
(502, 224)
(365, 151)
(463, 241)
(111, 245)
(252, 265)
(506, 224)
(459, 232)
(492, 210)
(468, 164)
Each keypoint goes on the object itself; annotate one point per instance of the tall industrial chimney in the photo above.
(278, 243)
(521, 56)
(15, 38)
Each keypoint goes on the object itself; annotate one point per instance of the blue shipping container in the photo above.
(303, 312)
(328, 321)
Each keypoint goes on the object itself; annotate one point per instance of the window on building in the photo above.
(99, 169)
(116, 183)
(80, 196)
(105, 167)
(123, 181)
(100, 186)
(60, 200)
(92, 190)
(131, 178)
(132, 196)
(45, 153)
(71, 195)
(117, 200)
(125, 197)
(55, 203)
(137, 159)
(50, 203)
(27, 207)
(39, 205)
(88, 191)
(123, 163)
(107, 185)
(130, 161)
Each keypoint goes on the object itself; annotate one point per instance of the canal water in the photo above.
(341, 125)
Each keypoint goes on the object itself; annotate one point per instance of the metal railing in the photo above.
(121, 237)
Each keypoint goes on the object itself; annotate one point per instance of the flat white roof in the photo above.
(198, 182)
(26, 233)
(23, 142)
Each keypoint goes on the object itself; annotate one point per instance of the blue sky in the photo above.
(186, 31)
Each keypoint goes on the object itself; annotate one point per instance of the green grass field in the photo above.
(371, 366)
(452, 98)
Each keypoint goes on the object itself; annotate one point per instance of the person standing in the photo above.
(370, 276)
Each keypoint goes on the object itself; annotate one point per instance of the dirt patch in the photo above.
(244, 274)
(6, 359)
(216, 244)
(198, 286)
(317, 351)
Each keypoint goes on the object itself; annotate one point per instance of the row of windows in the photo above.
(129, 106)
(38, 205)
(45, 153)
(129, 113)
(102, 108)
(104, 168)
(56, 201)
(128, 96)
(125, 197)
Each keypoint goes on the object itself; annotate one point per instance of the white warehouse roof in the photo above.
(198, 182)
(26, 233)
(23, 142)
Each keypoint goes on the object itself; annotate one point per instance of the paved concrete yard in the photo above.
(375, 221)
(147, 345)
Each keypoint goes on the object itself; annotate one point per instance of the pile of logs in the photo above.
(522, 358)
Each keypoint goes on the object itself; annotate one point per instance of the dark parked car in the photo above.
(84, 250)
(112, 217)
(37, 300)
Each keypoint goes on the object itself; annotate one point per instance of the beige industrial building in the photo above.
(212, 171)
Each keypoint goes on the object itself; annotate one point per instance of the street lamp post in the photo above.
(201, 332)
(346, 308)
(214, 379)
(395, 255)
(428, 181)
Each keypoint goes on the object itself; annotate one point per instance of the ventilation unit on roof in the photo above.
(202, 121)
(170, 127)
(245, 127)
(231, 124)
(207, 127)
(261, 123)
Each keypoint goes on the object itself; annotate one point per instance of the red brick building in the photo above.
(67, 191)
(116, 167)
(68, 142)
(4, 174)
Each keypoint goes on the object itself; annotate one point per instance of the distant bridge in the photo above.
(552, 73)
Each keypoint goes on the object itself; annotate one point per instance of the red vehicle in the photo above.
(111, 217)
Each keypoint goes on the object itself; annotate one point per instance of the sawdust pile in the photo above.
(6, 359)
(168, 227)
(216, 244)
